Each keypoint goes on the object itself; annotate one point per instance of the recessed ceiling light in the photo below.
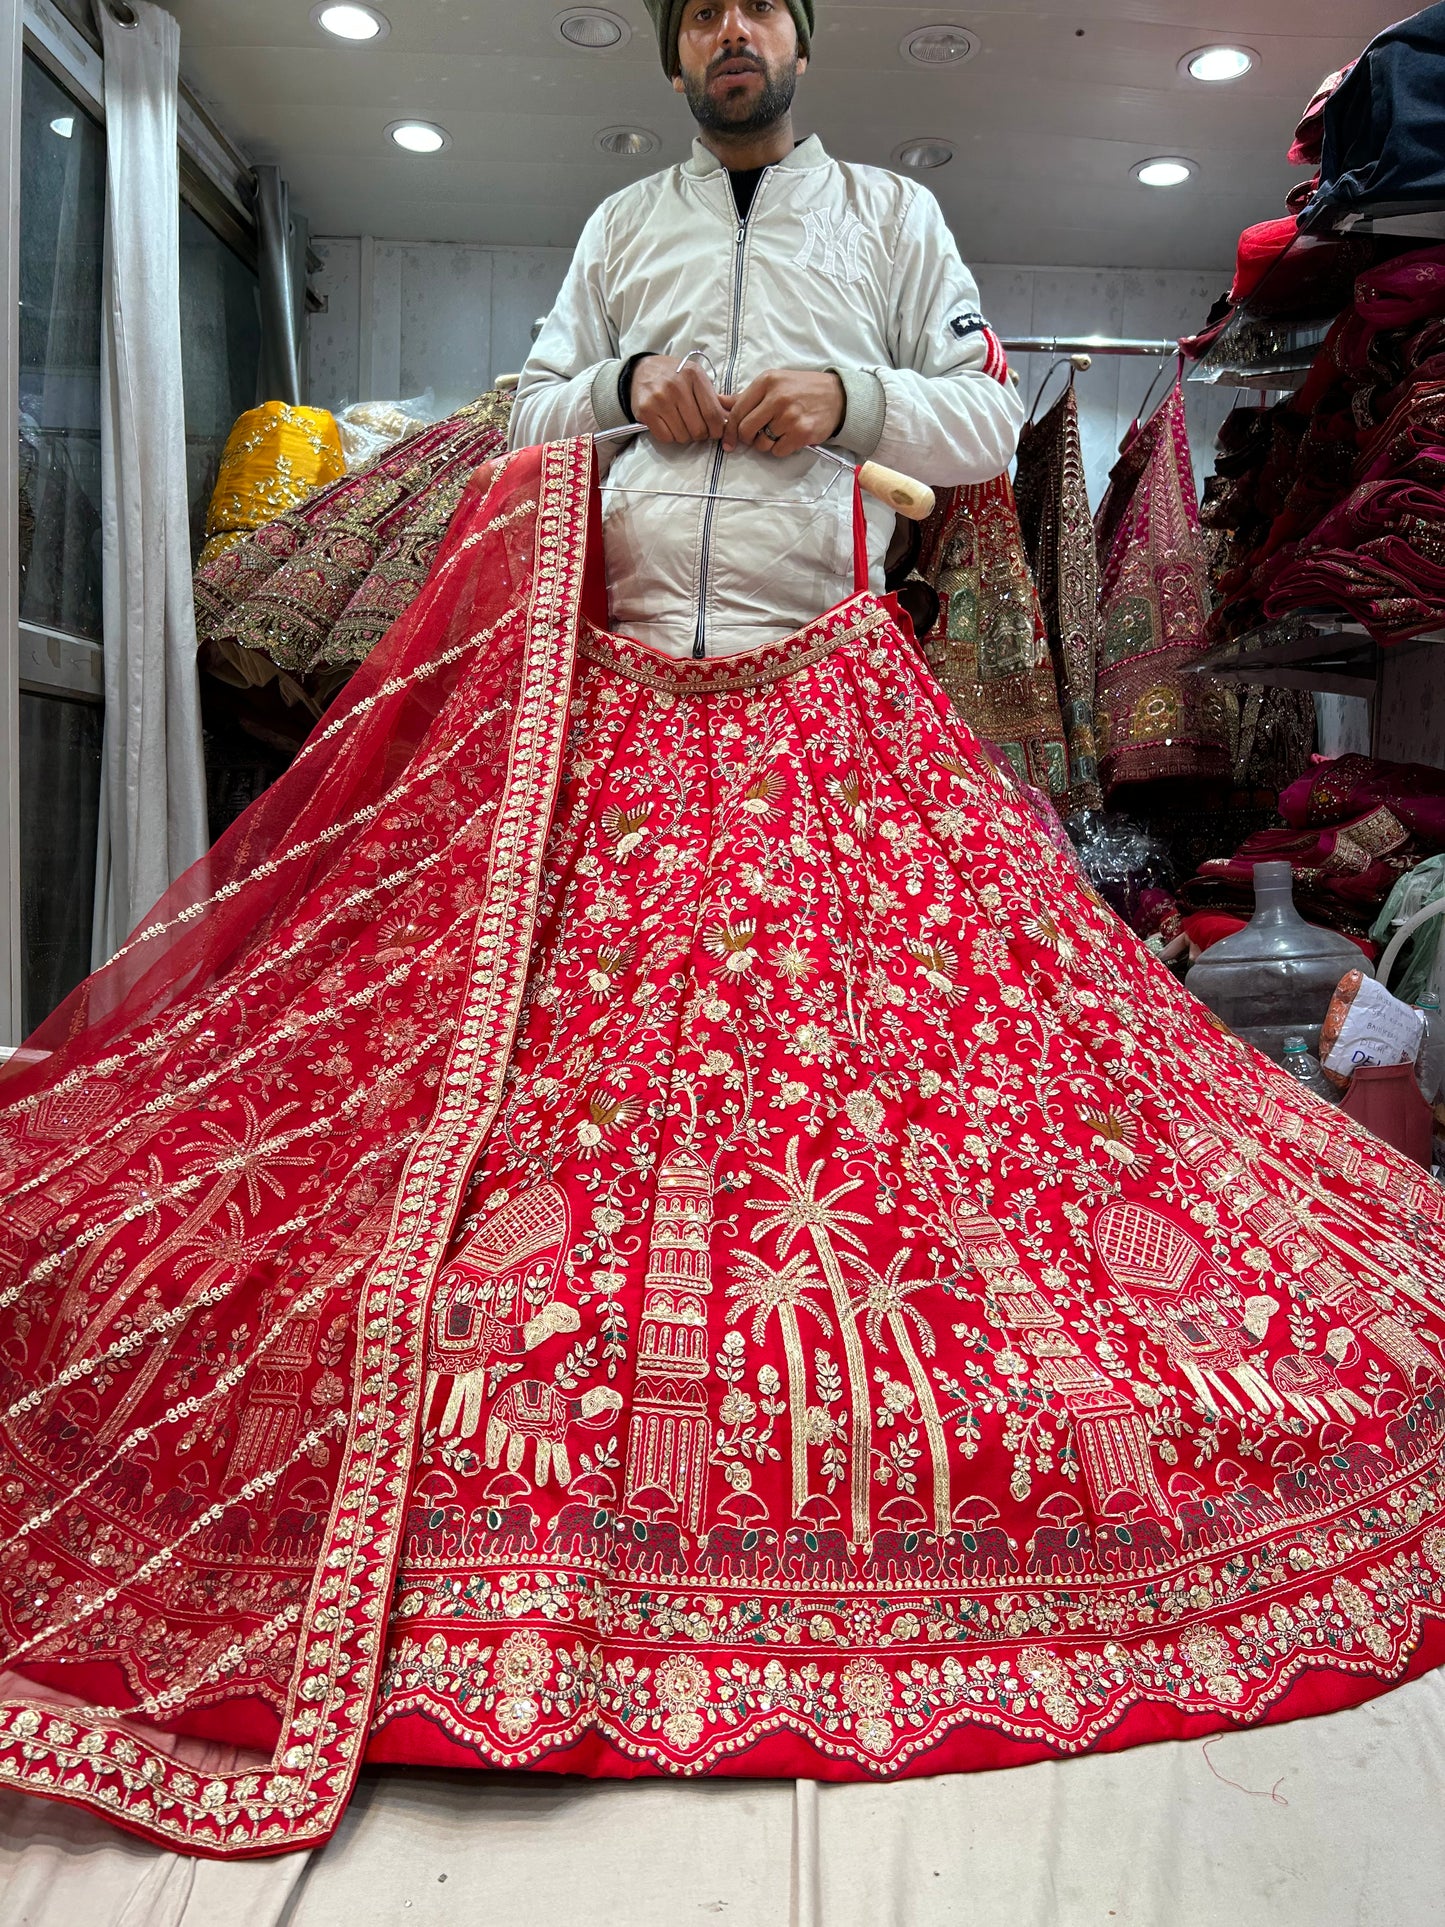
(591, 28)
(943, 46)
(419, 136)
(925, 153)
(64, 125)
(357, 24)
(627, 140)
(1165, 170)
(1218, 63)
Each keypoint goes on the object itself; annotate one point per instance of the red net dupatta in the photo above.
(210, 1373)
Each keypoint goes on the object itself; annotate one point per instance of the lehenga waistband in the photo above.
(859, 616)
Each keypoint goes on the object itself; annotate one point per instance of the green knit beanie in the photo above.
(667, 18)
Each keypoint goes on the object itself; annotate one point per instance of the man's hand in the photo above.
(783, 411)
(676, 403)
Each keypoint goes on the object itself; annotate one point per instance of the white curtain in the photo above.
(153, 799)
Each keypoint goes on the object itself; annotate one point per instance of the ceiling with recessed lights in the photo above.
(1048, 110)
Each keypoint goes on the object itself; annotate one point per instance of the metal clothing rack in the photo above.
(1086, 345)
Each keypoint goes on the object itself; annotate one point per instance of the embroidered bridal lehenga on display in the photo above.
(637, 1218)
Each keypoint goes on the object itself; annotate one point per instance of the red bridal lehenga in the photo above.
(636, 1217)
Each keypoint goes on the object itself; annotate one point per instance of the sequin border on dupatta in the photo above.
(56, 1750)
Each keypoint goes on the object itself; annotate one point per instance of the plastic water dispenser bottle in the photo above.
(1273, 980)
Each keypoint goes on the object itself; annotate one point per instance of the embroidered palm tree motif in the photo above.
(780, 1291)
(801, 1211)
(884, 1300)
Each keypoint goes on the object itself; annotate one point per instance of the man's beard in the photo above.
(772, 103)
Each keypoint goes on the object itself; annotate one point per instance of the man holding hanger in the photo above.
(757, 299)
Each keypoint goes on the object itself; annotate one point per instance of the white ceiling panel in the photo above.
(1046, 121)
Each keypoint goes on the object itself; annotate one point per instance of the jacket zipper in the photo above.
(699, 646)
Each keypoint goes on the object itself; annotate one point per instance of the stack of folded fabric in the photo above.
(1335, 498)
(1353, 826)
(1379, 555)
(312, 592)
(1380, 150)
(1330, 500)
(1335, 788)
(1342, 874)
(1273, 278)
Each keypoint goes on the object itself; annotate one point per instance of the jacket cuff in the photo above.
(862, 428)
(606, 405)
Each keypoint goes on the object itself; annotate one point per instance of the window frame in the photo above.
(11, 52)
(216, 181)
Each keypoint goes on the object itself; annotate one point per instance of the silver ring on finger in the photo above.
(771, 436)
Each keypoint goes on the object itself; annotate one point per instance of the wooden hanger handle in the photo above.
(909, 498)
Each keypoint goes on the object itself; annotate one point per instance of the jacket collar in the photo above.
(808, 153)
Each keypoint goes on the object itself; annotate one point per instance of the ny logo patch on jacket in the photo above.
(831, 243)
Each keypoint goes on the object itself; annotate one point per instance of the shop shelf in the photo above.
(1269, 341)
(1315, 650)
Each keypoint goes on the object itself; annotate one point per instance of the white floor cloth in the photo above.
(1333, 1822)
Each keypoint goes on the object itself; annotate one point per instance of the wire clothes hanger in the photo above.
(907, 497)
(1142, 413)
(1076, 365)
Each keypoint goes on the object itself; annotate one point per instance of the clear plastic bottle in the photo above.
(1301, 1064)
(1430, 1073)
(1430, 1064)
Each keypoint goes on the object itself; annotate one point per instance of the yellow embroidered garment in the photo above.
(275, 456)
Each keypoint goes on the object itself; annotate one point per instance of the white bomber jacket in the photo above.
(837, 266)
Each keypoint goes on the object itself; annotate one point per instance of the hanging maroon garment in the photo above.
(989, 647)
(1053, 506)
(1152, 718)
(636, 1217)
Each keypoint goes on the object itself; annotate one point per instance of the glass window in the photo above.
(220, 354)
(59, 812)
(62, 225)
(62, 222)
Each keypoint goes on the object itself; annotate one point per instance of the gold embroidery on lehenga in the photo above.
(1020, 1406)
(668, 1431)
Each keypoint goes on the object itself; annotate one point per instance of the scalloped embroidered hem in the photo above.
(427, 1735)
